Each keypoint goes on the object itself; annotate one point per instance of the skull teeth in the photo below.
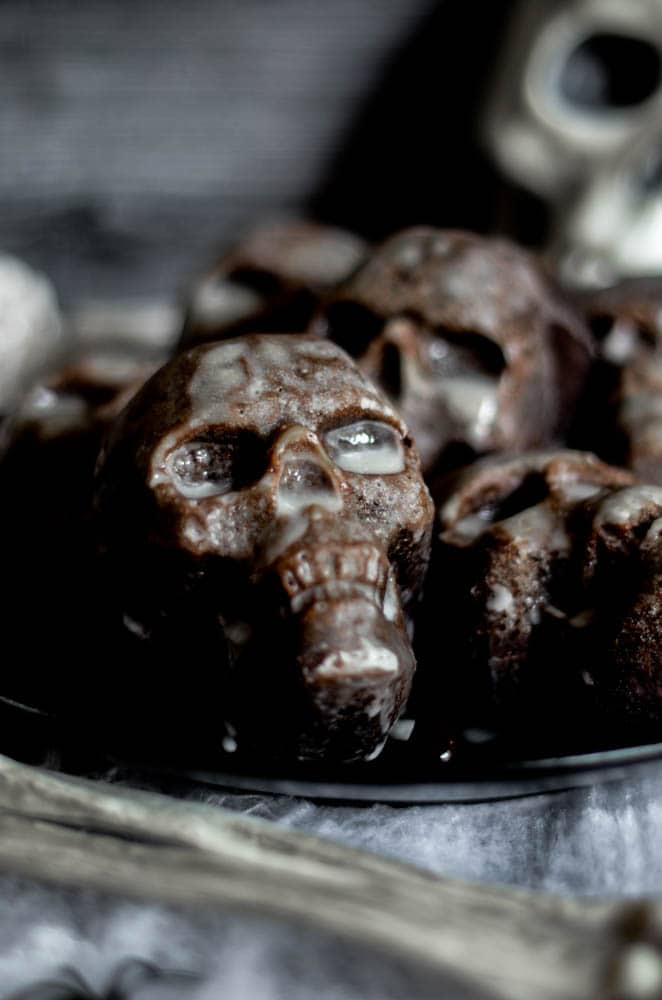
(332, 591)
(335, 571)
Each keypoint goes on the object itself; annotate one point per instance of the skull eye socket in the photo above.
(499, 504)
(212, 466)
(601, 326)
(257, 280)
(531, 491)
(368, 447)
(451, 353)
(608, 71)
(353, 327)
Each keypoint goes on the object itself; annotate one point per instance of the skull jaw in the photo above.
(332, 692)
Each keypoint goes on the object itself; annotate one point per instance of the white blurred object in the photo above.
(32, 335)
(151, 324)
(575, 117)
(612, 228)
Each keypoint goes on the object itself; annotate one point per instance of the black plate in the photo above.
(482, 767)
(461, 784)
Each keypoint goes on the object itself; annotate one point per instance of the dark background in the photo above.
(137, 136)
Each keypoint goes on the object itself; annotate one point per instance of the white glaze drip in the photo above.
(367, 447)
(500, 600)
(574, 491)
(472, 403)
(367, 658)
(625, 505)
(218, 301)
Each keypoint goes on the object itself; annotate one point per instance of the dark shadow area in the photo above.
(411, 154)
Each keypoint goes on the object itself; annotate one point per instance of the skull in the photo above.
(623, 575)
(51, 442)
(613, 227)
(506, 585)
(467, 338)
(622, 418)
(261, 507)
(271, 281)
(574, 117)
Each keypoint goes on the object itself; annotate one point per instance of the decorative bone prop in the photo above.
(262, 511)
(622, 415)
(272, 280)
(467, 337)
(501, 942)
(536, 576)
(574, 118)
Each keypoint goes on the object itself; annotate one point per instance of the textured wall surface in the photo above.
(137, 134)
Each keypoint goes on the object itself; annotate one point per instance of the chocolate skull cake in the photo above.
(467, 337)
(622, 418)
(622, 574)
(525, 584)
(47, 458)
(272, 280)
(262, 519)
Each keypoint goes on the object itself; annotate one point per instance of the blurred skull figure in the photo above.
(574, 119)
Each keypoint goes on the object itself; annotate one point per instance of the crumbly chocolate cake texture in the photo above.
(47, 455)
(545, 584)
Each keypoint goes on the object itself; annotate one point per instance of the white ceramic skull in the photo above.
(260, 503)
(574, 117)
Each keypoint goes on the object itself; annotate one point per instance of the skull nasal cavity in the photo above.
(608, 71)
(304, 483)
(391, 371)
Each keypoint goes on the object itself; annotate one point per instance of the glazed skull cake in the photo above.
(547, 578)
(260, 505)
(468, 339)
(272, 280)
(623, 415)
(53, 437)
(622, 571)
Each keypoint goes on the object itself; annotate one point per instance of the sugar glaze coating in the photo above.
(467, 337)
(546, 581)
(294, 574)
